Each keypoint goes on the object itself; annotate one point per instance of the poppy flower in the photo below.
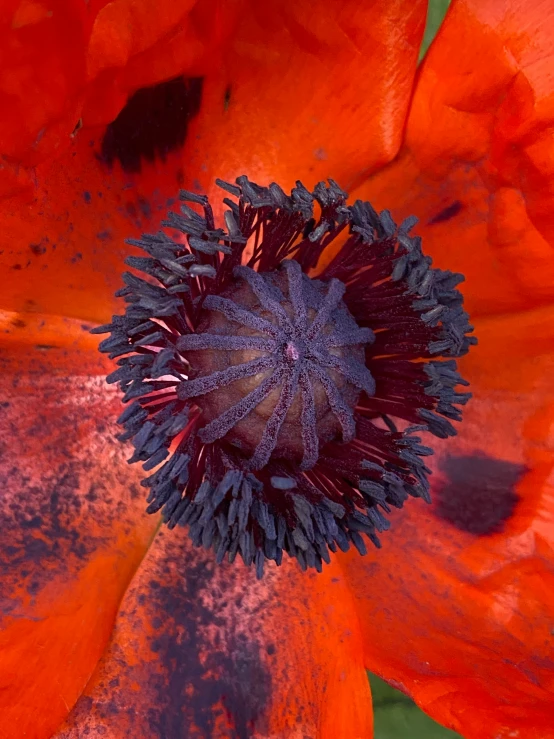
(112, 625)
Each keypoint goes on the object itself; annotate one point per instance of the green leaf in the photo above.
(398, 717)
(436, 11)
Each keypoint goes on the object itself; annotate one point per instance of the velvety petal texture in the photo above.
(477, 165)
(68, 64)
(73, 521)
(457, 606)
(43, 63)
(308, 93)
(206, 650)
(111, 108)
(65, 248)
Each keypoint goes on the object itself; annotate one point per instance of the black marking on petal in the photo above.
(153, 123)
(479, 493)
(227, 97)
(208, 638)
(447, 213)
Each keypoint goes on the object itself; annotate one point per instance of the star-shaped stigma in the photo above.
(304, 367)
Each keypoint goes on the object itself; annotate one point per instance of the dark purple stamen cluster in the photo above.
(281, 409)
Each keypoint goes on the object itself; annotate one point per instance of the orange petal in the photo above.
(457, 606)
(73, 521)
(69, 63)
(134, 45)
(53, 343)
(207, 650)
(43, 63)
(64, 239)
(308, 94)
(64, 249)
(477, 166)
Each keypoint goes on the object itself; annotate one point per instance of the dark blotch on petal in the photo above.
(57, 504)
(153, 123)
(40, 248)
(478, 495)
(210, 665)
(233, 675)
(227, 97)
(447, 213)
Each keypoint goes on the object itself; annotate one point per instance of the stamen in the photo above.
(274, 410)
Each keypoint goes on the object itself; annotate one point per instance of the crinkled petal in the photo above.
(43, 63)
(75, 64)
(64, 248)
(64, 222)
(308, 93)
(72, 516)
(134, 45)
(457, 608)
(206, 650)
(477, 166)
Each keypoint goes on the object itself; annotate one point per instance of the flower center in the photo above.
(277, 366)
(275, 412)
(294, 350)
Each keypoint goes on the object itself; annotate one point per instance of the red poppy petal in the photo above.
(69, 63)
(72, 517)
(65, 248)
(307, 94)
(64, 237)
(207, 650)
(478, 163)
(53, 343)
(134, 45)
(43, 63)
(457, 606)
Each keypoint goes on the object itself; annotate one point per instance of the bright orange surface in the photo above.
(479, 139)
(67, 63)
(73, 522)
(461, 622)
(308, 95)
